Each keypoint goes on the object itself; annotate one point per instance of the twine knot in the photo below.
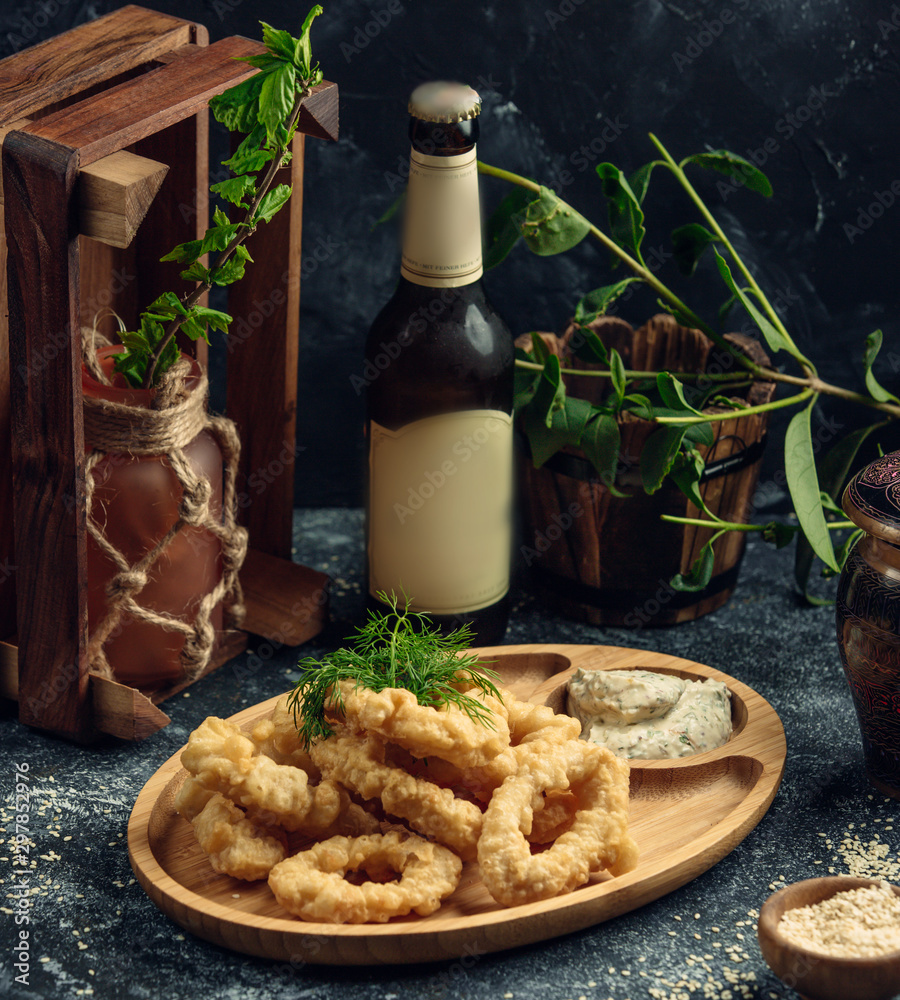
(125, 584)
(194, 507)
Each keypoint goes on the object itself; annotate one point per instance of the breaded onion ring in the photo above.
(597, 839)
(445, 732)
(357, 762)
(311, 884)
(224, 760)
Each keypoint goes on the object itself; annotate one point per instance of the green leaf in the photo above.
(218, 237)
(213, 317)
(262, 60)
(848, 544)
(672, 392)
(232, 270)
(242, 252)
(276, 98)
(279, 42)
(501, 232)
(876, 391)
(685, 473)
(550, 394)
(700, 573)
(134, 340)
(833, 469)
(803, 483)
(564, 427)
(189, 252)
(390, 211)
(642, 407)
(734, 166)
(688, 244)
(780, 535)
(596, 303)
(700, 434)
(238, 108)
(272, 202)
(249, 157)
(539, 349)
(617, 376)
(640, 180)
(549, 226)
(524, 383)
(587, 346)
(302, 47)
(600, 441)
(774, 338)
(196, 272)
(658, 456)
(235, 189)
(169, 305)
(193, 328)
(626, 219)
(133, 365)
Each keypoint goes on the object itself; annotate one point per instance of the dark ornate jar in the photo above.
(868, 617)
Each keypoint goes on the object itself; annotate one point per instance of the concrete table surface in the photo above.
(93, 932)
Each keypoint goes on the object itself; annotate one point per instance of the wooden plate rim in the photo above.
(591, 904)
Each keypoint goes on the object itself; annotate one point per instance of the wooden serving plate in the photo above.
(686, 815)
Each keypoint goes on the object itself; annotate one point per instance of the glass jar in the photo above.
(136, 501)
(868, 618)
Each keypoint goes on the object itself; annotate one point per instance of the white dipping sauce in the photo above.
(646, 716)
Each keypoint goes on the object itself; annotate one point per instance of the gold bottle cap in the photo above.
(442, 101)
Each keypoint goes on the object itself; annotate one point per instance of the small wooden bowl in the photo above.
(811, 974)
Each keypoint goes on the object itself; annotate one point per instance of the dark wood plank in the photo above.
(133, 110)
(85, 56)
(263, 351)
(7, 548)
(287, 604)
(48, 439)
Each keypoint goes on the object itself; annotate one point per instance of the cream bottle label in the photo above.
(440, 510)
(442, 228)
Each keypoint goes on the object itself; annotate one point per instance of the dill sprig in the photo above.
(394, 649)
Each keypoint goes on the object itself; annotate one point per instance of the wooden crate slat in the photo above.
(264, 338)
(47, 434)
(135, 109)
(85, 56)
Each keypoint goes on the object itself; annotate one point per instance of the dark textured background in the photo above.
(810, 86)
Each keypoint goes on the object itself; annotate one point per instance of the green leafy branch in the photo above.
(265, 108)
(684, 405)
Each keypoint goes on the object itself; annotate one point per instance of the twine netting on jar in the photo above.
(178, 415)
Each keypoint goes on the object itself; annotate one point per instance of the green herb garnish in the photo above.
(394, 649)
(265, 108)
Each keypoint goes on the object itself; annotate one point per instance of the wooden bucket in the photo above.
(609, 560)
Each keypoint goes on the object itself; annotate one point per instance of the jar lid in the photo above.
(442, 101)
(872, 499)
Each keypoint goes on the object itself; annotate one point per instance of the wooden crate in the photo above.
(105, 128)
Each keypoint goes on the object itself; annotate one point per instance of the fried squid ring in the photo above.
(311, 885)
(236, 846)
(357, 762)
(224, 760)
(277, 737)
(597, 839)
(446, 732)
